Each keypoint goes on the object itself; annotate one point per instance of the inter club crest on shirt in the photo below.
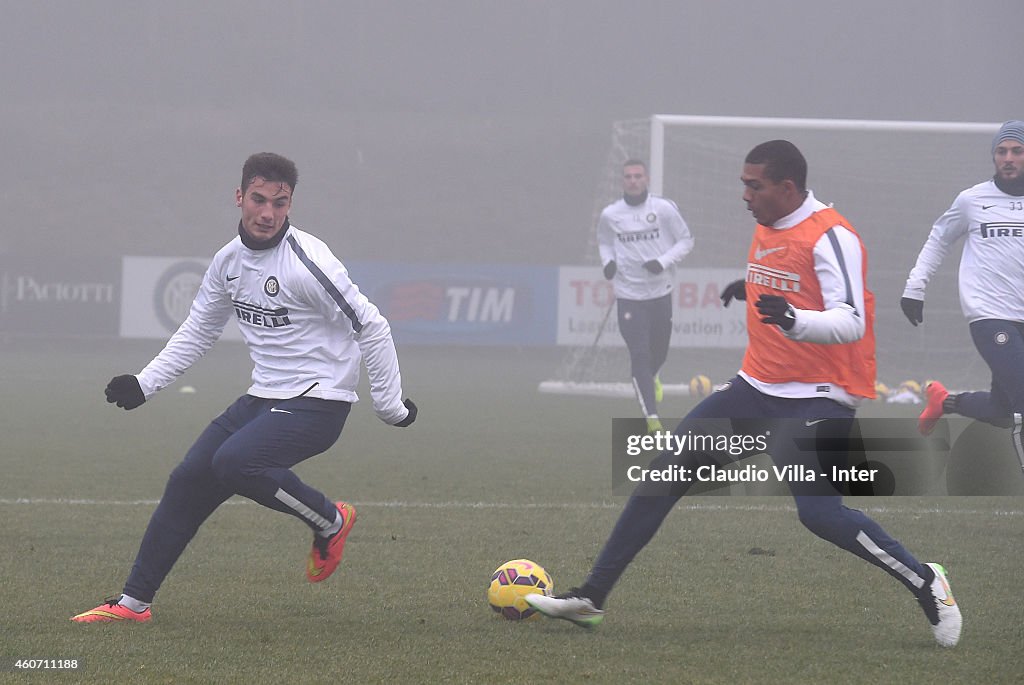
(271, 287)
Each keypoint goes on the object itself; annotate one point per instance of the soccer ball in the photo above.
(700, 386)
(511, 582)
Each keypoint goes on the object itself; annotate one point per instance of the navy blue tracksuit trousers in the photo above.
(248, 450)
(646, 327)
(790, 421)
(1001, 344)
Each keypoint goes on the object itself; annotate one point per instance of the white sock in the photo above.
(334, 527)
(133, 604)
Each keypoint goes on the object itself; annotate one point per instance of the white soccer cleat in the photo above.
(569, 606)
(941, 609)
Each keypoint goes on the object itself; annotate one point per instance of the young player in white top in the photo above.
(990, 216)
(641, 238)
(308, 328)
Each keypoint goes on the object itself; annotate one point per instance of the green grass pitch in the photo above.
(732, 590)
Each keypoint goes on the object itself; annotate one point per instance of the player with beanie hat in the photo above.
(1011, 130)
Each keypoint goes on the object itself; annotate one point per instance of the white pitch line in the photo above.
(882, 509)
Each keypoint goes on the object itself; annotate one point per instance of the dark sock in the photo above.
(593, 594)
(926, 589)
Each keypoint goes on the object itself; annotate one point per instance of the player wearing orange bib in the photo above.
(783, 261)
(809, 362)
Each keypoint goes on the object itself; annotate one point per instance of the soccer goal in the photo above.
(891, 179)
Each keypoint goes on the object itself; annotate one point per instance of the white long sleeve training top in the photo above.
(304, 320)
(634, 234)
(992, 264)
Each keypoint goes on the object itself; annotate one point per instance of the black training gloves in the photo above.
(913, 309)
(737, 290)
(125, 392)
(411, 406)
(654, 266)
(776, 310)
(609, 270)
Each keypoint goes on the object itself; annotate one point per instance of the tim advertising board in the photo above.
(698, 318)
(463, 304)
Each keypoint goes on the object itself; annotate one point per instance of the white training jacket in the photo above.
(633, 234)
(303, 318)
(992, 264)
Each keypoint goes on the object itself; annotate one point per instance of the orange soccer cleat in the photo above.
(110, 611)
(326, 553)
(935, 395)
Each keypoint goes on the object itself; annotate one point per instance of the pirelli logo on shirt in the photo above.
(640, 236)
(776, 279)
(1003, 229)
(255, 315)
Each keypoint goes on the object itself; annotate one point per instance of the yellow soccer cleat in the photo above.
(654, 425)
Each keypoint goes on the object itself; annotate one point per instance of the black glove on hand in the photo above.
(654, 266)
(913, 309)
(609, 270)
(411, 406)
(776, 310)
(737, 290)
(125, 391)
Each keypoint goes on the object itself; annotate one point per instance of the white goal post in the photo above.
(891, 179)
(659, 122)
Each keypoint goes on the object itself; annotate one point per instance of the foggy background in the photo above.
(446, 130)
(479, 133)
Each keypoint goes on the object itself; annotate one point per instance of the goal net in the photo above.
(891, 179)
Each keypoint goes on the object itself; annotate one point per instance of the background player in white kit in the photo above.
(991, 281)
(641, 238)
(308, 328)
